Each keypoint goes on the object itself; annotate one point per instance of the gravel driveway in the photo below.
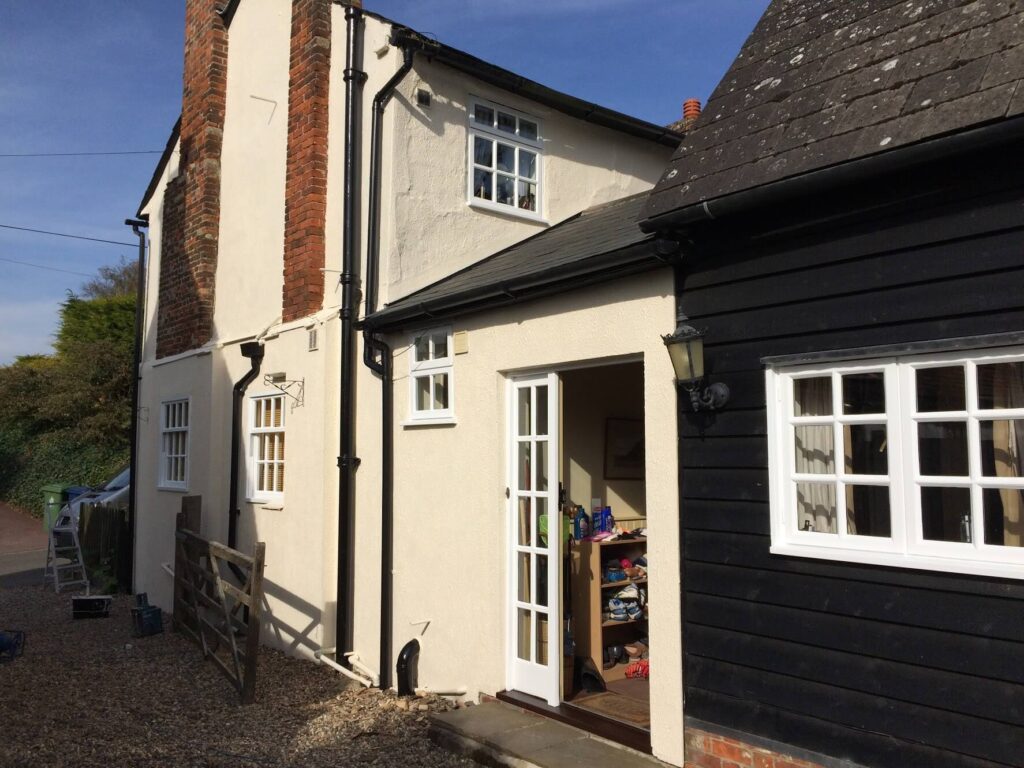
(86, 693)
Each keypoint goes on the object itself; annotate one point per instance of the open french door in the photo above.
(534, 638)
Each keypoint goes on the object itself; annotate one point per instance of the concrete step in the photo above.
(501, 735)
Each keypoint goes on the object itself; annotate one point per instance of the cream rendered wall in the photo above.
(249, 257)
(450, 506)
(156, 509)
(425, 237)
(433, 230)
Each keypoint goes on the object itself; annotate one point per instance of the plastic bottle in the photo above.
(580, 524)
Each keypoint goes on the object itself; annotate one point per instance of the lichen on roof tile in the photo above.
(839, 80)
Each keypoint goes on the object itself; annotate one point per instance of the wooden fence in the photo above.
(224, 620)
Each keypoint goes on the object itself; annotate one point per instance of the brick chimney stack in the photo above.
(305, 195)
(191, 215)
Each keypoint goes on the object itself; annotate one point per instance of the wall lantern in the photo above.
(686, 348)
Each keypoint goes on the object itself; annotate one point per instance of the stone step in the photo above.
(504, 736)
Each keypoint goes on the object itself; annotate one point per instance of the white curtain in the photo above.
(815, 454)
(1007, 438)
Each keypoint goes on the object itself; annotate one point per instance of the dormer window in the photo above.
(504, 160)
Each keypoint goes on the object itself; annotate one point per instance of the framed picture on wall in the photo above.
(624, 449)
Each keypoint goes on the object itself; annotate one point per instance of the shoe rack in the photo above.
(590, 595)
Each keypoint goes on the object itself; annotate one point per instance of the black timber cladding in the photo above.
(887, 667)
(604, 238)
(824, 82)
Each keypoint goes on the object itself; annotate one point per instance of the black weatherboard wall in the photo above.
(881, 666)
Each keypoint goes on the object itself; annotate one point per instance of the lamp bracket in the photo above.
(294, 388)
(707, 397)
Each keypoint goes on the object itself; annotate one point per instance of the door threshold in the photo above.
(591, 722)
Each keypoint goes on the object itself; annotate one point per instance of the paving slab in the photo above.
(502, 735)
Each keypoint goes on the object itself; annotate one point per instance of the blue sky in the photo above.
(105, 76)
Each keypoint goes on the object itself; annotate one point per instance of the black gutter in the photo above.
(140, 310)
(253, 350)
(409, 39)
(855, 171)
(377, 357)
(566, 277)
(347, 461)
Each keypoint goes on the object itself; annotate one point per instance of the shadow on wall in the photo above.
(286, 637)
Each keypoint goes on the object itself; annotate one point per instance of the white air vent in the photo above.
(314, 339)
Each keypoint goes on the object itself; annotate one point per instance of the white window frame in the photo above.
(419, 369)
(255, 434)
(163, 481)
(907, 546)
(494, 134)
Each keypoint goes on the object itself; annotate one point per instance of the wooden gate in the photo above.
(222, 619)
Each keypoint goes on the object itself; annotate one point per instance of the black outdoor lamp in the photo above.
(686, 348)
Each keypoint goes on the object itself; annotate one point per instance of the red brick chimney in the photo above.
(191, 215)
(305, 196)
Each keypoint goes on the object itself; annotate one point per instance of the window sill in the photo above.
(438, 421)
(173, 488)
(507, 210)
(972, 567)
(268, 504)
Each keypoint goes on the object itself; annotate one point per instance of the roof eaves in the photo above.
(158, 172)
(492, 74)
(909, 156)
(227, 11)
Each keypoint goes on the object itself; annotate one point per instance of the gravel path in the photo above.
(87, 694)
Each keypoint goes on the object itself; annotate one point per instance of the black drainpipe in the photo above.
(347, 461)
(377, 357)
(140, 310)
(253, 351)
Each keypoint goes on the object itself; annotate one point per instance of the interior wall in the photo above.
(591, 396)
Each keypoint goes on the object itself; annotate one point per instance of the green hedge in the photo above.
(67, 416)
(26, 465)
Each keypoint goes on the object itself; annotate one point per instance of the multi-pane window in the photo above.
(430, 375)
(909, 461)
(174, 421)
(266, 428)
(504, 157)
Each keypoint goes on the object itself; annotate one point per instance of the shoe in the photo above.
(634, 612)
(629, 592)
(617, 610)
(607, 662)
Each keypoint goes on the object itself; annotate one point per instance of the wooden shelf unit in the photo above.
(589, 595)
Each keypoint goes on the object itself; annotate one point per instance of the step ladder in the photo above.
(64, 545)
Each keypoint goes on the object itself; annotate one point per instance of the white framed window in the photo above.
(431, 377)
(174, 426)
(914, 461)
(505, 153)
(266, 448)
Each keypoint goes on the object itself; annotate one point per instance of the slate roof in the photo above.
(822, 82)
(604, 238)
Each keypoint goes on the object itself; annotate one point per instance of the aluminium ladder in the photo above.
(64, 545)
